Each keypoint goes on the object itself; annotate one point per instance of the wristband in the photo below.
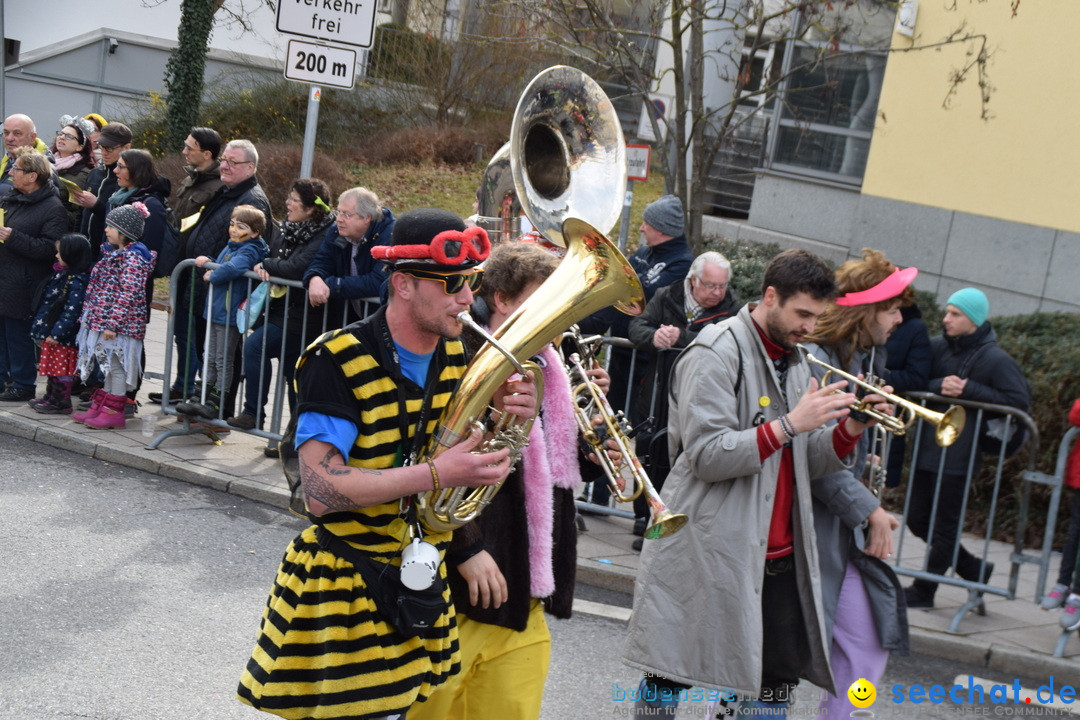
(788, 427)
(434, 475)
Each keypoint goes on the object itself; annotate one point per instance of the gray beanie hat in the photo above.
(129, 220)
(666, 215)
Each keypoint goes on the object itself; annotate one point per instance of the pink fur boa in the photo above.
(549, 460)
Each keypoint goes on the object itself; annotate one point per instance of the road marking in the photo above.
(594, 608)
(1027, 697)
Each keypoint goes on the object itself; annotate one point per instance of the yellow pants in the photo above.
(502, 673)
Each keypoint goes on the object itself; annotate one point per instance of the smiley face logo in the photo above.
(862, 693)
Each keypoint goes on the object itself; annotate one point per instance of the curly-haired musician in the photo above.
(331, 644)
(864, 607)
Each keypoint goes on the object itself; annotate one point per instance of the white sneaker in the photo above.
(1070, 616)
(1055, 598)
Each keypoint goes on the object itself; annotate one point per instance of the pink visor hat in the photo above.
(888, 288)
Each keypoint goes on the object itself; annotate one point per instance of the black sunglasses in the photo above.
(452, 284)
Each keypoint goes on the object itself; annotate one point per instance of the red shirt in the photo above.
(781, 540)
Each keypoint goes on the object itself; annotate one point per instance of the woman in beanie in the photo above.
(114, 315)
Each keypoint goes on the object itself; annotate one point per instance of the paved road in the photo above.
(125, 596)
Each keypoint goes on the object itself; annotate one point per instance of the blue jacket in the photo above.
(69, 289)
(230, 285)
(333, 263)
(657, 266)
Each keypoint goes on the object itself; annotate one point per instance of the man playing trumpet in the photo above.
(864, 608)
(747, 434)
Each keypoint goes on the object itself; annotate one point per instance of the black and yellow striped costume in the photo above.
(322, 651)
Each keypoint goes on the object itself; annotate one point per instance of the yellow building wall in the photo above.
(1021, 164)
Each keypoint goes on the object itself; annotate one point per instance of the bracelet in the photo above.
(787, 426)
(434, 475)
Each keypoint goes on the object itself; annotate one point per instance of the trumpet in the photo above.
(589, 401)
(947, 425)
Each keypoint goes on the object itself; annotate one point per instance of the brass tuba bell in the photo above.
(591, 276)
(567, 153)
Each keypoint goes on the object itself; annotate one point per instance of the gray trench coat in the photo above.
(697, 601)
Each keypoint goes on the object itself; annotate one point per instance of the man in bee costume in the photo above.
(370, 395)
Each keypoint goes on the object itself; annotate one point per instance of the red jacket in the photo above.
(1072, 468)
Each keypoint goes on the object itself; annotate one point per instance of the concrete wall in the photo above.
(79, 76)
(1021, 267)
(1015, 157)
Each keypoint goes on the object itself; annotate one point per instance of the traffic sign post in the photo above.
(637, 168)
(320, 64)
(349, 22)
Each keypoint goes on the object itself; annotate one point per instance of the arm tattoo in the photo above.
(325, 464)
(320, 488)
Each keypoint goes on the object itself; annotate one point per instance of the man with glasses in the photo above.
(370, 395)
(343, 272)
(201, 150)
(114, 139)
(672, 319)
(19, 131)
(207, 236)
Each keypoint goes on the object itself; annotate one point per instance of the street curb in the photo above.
(995, 656)
(1006, 659)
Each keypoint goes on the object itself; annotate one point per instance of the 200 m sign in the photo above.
(320, 64)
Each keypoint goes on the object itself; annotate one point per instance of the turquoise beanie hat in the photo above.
(972, 302)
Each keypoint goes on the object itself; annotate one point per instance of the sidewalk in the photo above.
(1014, 637)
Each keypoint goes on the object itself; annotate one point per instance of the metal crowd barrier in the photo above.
(1056, 482)
(213, 427)
(976, 418)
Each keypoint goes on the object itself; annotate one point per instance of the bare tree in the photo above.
(713, 44)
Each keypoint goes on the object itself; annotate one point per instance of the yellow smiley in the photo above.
(862, 693)
(764, 401)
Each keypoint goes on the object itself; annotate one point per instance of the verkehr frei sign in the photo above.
(348, 22)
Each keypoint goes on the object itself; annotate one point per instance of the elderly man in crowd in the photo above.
(19, 131)
(671, 320)
(239, 186)
(343, 269)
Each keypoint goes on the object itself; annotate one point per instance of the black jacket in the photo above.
(211, 233)
(992, 377)
(289, 259)
(37, 220)
(907, 366)
(102, 182)
(657, 266)
(667, 307)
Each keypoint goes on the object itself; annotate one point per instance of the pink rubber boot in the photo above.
(96, 401)
(111, 414)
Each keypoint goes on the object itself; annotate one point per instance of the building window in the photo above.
(824, 113)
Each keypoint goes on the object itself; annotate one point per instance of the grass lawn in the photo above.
(407, 186)
(403, 187)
